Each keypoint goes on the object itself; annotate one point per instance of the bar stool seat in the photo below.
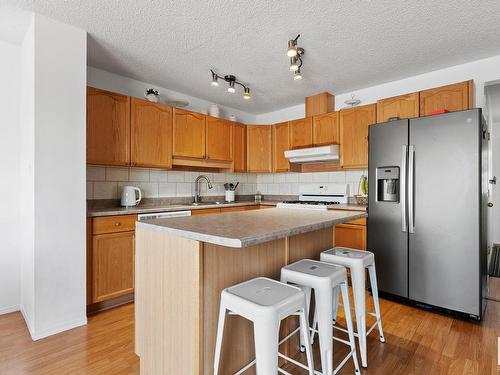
(265, 302)
(324, 278)
(357, 260)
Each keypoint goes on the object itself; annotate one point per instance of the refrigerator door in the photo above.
(387, 221)
(444, 242)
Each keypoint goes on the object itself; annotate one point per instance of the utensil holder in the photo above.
(229, 195)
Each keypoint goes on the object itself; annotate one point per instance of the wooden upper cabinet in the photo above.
(354, 124)
(319, 104)
(402, 106)
(219, 139)
(301, 133)
(326, 129)
(259, 148)
(239, 148)
(188, 134)
(280, 145)
(151, 132)
(456, 97)
(108, 127)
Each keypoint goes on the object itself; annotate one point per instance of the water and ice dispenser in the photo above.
(388, 184)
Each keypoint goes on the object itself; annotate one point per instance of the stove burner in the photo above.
(317, 203)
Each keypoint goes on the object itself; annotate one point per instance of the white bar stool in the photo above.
(323, 278)
(266, 303)
(357, 261)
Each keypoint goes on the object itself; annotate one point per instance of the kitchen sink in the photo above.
(206, 203)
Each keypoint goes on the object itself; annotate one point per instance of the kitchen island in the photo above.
(182, 264)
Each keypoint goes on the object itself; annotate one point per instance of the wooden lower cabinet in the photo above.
(110, 261)
(352, 234)
(204, 211)
(112, 265)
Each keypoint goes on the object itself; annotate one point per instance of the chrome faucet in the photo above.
(197, 187)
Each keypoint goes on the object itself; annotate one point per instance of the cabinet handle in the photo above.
(117, 224)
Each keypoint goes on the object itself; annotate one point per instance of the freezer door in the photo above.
(387, 236)
(444, 246)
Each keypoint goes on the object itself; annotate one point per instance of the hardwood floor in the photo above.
(417, 342)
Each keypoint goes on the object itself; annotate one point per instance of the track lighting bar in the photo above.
(232, 81)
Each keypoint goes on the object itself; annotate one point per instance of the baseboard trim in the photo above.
(60, 328)
(54, 330)
(9, 309)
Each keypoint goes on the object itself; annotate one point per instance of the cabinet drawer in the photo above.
(112, 224)
(357, 222)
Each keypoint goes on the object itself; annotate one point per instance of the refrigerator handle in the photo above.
(404, 162)
(411, 188)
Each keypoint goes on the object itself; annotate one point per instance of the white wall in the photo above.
(53, 123)
(109, 81)
(481, 71)
(10, 57)
(27, 177)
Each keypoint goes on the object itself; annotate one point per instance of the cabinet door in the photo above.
(403, 106)
(350, 235)
(326, 129)
(280, 145)
(240, 148)
(219, 139)
(108, 128)
(354, 124)
(189, 134)
(259, 148)
(301, 133)
(456, 97)
(151, 130)
(112, 265)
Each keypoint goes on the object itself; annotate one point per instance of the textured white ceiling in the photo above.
(350, 44)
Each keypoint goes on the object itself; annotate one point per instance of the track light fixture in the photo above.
(232, 81)
(215, 81)
(295, 54)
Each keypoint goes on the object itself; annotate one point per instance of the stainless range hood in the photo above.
(313, 154)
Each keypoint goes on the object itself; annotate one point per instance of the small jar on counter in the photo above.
(258, 197)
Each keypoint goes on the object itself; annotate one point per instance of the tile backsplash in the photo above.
(107, 182)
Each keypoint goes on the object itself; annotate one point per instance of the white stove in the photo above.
(318, 197)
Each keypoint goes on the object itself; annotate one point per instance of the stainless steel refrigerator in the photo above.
(427, 210)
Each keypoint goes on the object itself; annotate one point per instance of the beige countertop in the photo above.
(153, 207)
(247, 228)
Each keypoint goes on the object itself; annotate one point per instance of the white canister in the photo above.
(213, 110)
(229, 195)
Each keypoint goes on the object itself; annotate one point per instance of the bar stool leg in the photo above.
(373, 281)
(358, 288)
(324, 311)
(350, 330)
(335, 303)
(220, 335)
(304, 326)
(266, 337)
(307, 292)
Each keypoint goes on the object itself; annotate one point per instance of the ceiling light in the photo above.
(247, 95)
(232, 82)
(292, 49)
(296, 54)
(215, 81)
(297, 75)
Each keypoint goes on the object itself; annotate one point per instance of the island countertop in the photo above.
(248, 228)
